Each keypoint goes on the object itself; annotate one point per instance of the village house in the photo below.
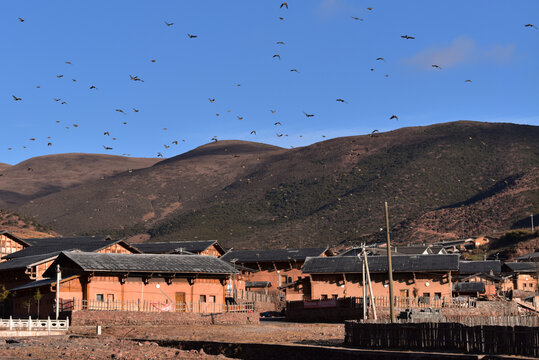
(533, 256)
(30, 263)
(523, 275)
(274, 268)
(10, 243)
(112, 281)
(424, 276)
(203, 247)
(486, 272)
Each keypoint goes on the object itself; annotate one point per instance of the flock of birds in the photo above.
(136, 78)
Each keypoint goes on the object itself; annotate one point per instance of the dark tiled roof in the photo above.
(355, 251)
(23, 262)
(253, 256)
(534, 256)
(483, 266)
(82, 243)
(378, 264)
(76, 262)
(525, 267)
(469, 287)
(172, 247)
(412, 250)
(39, 283)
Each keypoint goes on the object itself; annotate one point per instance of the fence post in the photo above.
(10, 323)
(29, 323)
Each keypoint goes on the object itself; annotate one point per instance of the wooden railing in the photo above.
(419, 302)
(33, 324)
(154, 306)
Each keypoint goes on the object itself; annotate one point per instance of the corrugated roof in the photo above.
(140, 263)
(482, 266)
(378, 264)
(23, 262)
(171, 247)
(253, 256)
(82, 243)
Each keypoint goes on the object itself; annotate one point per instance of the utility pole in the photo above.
(370, 285)
(58, 278)
(390, 269)
(364, 286)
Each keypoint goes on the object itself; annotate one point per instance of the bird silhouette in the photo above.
(55, 99)
(342, 100)
(153, 60)
(407, 37)
(135, 78)
(214, 138)
(63, 103)
(356, 18)
(136, 110)
(74, 80)
(240, 117)
(21, 19)
(211, 100)
(273, 111)
(467, 81)
(32, 139)
(374, 133)
(279, 135)
(284, 4)
(530, 26)
(437, 67)
(277, 56)
(280, 42)
(16, 98)
(281, 18)
(159, 155)
(68, 62)
(49, 144)
(120, 111)
(308, 115)
(168, 24)
(107, 147)
(59, 76)
(175, 142)
(294, 70)
(93, 87)
(166, 146)
(394, 117)
(381, 58)
(278, 123)
(253, 132)
(192, 36)
(106, 133)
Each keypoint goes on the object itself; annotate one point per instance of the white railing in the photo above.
(420, 302)
(34, 324)
(155, 306)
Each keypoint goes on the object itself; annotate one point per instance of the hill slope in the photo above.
(43, 175)
(330, 192)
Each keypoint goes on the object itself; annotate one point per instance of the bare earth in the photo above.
(115, 343)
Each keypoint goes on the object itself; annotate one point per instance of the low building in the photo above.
(523, 275)
(108, 281)
(276, 268)
(203, 247)
(426, 276)
(486, 272)
(10, 243)
(530, 257)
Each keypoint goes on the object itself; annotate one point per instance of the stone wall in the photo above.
(134, 318)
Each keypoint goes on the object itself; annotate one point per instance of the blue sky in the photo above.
(106, 41)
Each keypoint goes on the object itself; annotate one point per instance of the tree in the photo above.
(37, 297)
(3, 293)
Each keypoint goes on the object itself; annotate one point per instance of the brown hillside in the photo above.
(248, 194)
(4, 166)
(43, 175)
(23, 227)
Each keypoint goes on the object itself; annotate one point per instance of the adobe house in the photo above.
(9, 244)
(487, 272)
(423, 276)
(276, 267)
(523, 275)
(112, 281)
(30, 263)
(533, 256)
(204, 247)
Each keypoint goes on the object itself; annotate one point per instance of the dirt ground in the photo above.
(118, 342)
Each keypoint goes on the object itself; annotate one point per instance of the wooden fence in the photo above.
(154, 306)
(444, 336)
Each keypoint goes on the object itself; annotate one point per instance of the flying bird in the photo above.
(136, 110)
(59, 76)
(394, 117)
(192, 36)
(381, 58)
(55, 99)
(369, 8)
(159, 154)
(438, 67)
(407, 37)
(284, 4)
(120, 111)
(49, 144)
(342, 100)
(21, 19)
(168, 24)
(16, 98)
(211, 100)
(63, 103)
(281, 18)
(214, 138)
(294, 70)
(277, 56)
(278, 123)
(153, 60)
(530, 26)
(135, 78)
(240, 117)
(93, 87)
(356, 18)
(175, 142)
(467, 81)
(253, 132)
(279, 135)
(308, 115)
(68, 62)
(374, 133)
(106, 133)
(107, 148)
(280, 42)
(32, 139)
(273, 111)
(166, 146)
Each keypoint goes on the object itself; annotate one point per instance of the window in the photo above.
(426, 294)
(110, 297)
(283, 280)
(437, 295)
(202, 299)
(212, 298)
(99, 297)
(324, 297)
(335, 296)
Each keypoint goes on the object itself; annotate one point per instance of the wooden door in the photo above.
(180, 302)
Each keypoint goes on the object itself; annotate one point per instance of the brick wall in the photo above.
(133, 318)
